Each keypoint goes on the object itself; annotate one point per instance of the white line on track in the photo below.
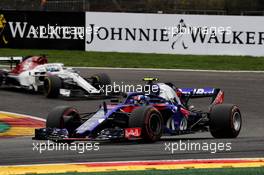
(157, 69)
(177, 70)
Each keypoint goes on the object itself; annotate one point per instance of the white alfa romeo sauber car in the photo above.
(35, 73)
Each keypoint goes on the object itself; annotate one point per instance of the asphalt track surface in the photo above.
(244, 89)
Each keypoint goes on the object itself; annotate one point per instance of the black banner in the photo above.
(42, 30)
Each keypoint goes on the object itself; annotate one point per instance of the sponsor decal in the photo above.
(197, 91)
(27, 30)
(200, 34)
(176, 34)
(24, 29)
(219, 98)
(3, 22)
(132, 132)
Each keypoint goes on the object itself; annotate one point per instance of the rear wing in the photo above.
(11, 60)
(216, 94)
(198, 92)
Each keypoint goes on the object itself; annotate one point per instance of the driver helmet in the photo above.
(140, 99)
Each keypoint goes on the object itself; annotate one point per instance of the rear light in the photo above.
(132, 132)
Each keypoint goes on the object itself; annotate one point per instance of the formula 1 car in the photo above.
(146, 116)
(35, 73)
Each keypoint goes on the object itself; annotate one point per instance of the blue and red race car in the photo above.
(146, 116)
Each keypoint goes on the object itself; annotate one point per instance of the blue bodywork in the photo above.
(103, 113)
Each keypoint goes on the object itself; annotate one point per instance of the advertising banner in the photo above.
(175, 34)
(42, 30)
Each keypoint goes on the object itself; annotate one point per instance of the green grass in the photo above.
(231, 171)
(136, 60)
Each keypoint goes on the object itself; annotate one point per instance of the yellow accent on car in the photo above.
(150, 79)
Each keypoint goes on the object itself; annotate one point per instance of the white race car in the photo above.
(35, 73)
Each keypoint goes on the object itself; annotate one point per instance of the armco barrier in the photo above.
(42, 30)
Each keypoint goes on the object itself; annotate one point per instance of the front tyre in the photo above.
(64, 117)
(52, 85)
(2, 75)
(225, 121)
(149, 119)
(100, 80)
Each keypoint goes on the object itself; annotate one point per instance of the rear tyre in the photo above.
(149, 120)
(52, 85)
(100, 80)
(64, 117)
(225, 121)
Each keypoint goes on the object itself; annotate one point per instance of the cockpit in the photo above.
(168, 93)
(53, 68)
(164, 94)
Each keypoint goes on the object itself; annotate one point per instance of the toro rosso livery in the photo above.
(35, 73)
(146, 116)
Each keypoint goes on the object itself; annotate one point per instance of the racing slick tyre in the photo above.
(52, 85)
(149, 120)
(100, 79)
(1, 77)
(225, 121)
(64, 117)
